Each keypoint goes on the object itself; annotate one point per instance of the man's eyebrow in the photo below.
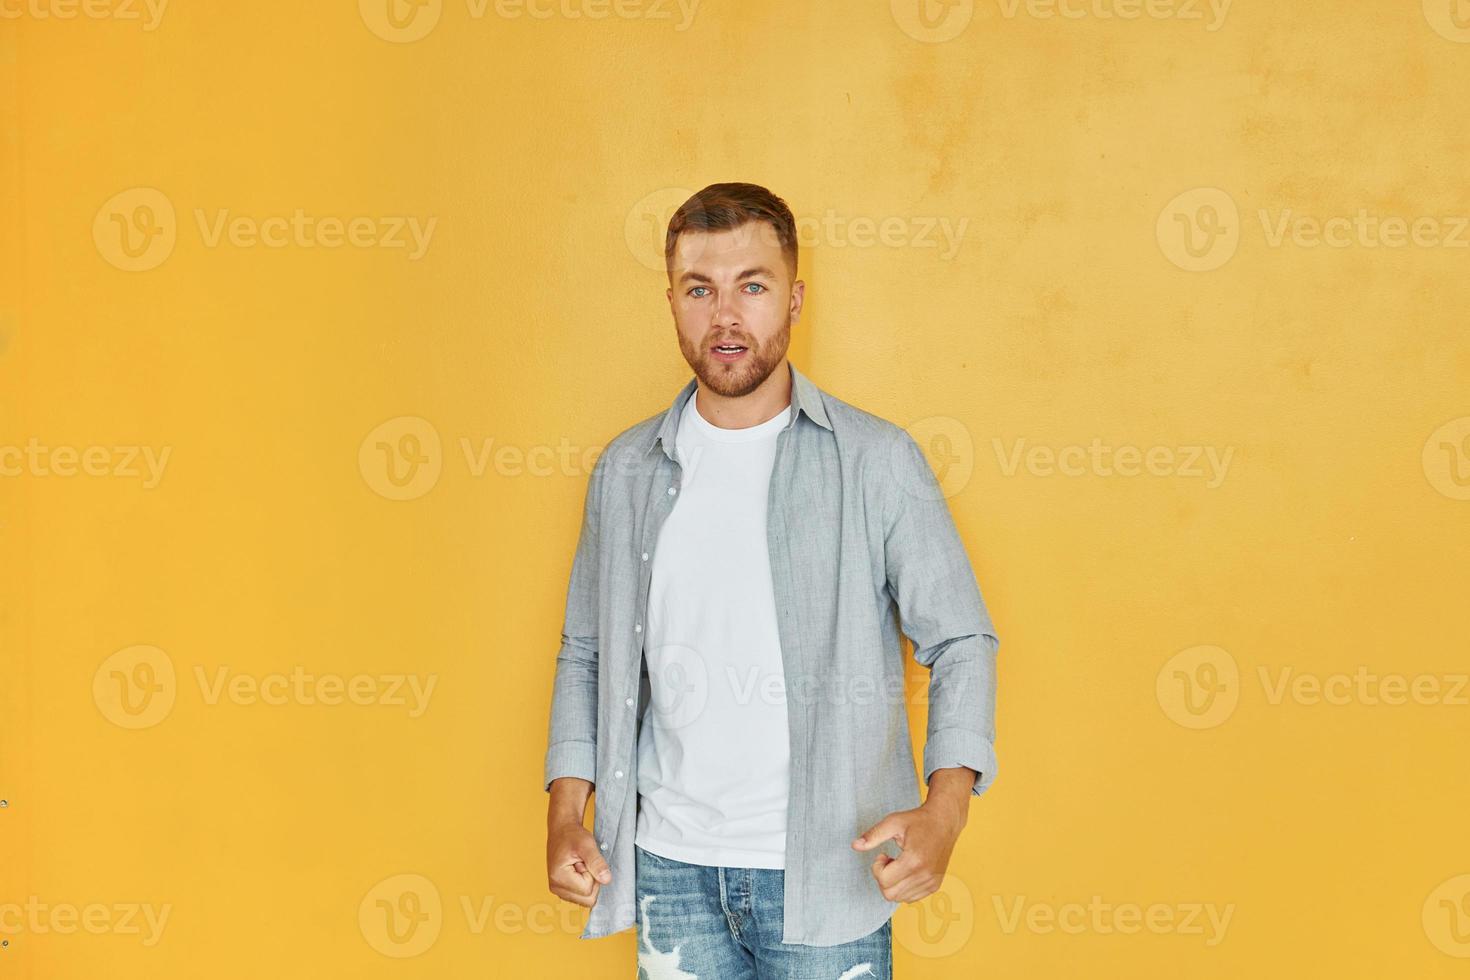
(759, 270)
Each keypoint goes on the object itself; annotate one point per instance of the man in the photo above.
(730, 678)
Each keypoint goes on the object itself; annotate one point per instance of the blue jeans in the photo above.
(697, 922)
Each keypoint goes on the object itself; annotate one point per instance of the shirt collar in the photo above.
(805, 396)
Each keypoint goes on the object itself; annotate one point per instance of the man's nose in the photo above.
(726, 314)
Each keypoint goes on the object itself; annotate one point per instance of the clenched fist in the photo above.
(575, 867)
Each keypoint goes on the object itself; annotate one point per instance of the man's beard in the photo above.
(744, 376)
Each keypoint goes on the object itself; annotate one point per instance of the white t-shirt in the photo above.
(713, 756)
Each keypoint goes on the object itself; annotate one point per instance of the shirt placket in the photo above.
(796, 715)
(664, 490)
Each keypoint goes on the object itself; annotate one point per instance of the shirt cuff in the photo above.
(571, 758)
(950, 747)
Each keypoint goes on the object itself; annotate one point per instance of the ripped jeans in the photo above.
(697, 922)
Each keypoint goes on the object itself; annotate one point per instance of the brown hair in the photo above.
(721, 207)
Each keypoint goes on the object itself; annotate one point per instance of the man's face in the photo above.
(733, 288)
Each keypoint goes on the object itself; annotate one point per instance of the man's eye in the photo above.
(756, 286)
(698, 292)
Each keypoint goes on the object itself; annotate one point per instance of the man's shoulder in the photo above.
(626, 452)
(860, 430)
(885, 457)
(639, 435)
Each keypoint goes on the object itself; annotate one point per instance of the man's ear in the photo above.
(798, 295)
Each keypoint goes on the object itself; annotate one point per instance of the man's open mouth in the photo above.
(728, 353)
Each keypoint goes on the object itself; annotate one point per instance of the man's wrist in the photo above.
(568, 803)
(950, 790)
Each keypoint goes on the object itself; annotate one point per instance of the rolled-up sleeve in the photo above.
(572, 739)
(941, 610)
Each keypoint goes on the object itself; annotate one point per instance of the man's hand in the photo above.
(926, 836)
(575, 868)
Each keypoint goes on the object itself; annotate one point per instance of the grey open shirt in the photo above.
(858, 531)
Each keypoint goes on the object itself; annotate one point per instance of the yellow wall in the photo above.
(1066, 156)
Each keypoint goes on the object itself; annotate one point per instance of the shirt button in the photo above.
(628, 702)
(645, 556)
(619, 774)
(604, 845)
(672, 491)
(637, 627)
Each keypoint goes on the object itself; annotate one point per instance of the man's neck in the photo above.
(772, 397)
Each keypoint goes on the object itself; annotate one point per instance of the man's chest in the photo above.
(806, 514)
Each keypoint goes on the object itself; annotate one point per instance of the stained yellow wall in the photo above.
(1175, 295)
